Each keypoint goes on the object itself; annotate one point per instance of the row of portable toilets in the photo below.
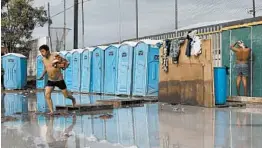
(130, 68)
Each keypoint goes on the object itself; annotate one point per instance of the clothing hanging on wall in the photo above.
(193, 44)
(175, 49)
(196, 46)
(171, 48)
(164, 62)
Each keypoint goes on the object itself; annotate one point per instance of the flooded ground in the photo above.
(148, 126)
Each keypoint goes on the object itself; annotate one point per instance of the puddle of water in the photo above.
(149, 126)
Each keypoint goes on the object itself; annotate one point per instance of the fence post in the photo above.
(230, 60)
(251, 62)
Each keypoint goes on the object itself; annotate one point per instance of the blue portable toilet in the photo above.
(88, 128)
(76, 69)
(86, 70)
(68, 74)
(94, 98)
(97, 69)
(146, 68)
(15, 103)
(153, 124)
(40, 84)
(63, 54)
(111, 54)
(124, 68)
(15, 66)
(85, 99)
(141, 127)
(77, 96)
(126, 126)
(41, 102)
(61, 99)
(112, 129)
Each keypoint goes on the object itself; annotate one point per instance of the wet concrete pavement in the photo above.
(149, 126)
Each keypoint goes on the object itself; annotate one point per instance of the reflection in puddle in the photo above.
(143, 127)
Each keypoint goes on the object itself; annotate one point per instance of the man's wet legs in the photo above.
(244, 80)
(48, 91)
(239, 77)
(69, 96)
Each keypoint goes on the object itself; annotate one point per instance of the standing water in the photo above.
(147, 126)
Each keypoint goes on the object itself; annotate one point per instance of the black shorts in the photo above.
(60, 84)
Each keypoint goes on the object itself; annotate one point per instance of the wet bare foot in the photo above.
(74, 102)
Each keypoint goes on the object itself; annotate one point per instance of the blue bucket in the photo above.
(220, 78)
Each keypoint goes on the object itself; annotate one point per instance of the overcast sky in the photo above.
(101, 17)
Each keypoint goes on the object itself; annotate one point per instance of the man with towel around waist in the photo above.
(242, 56)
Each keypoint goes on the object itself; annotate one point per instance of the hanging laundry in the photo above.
(196, 46)
(193, 44)
(188, 47)
(167, 46)
(175, 49)
(165, 53)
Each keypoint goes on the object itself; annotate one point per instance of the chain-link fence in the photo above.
(58, 38)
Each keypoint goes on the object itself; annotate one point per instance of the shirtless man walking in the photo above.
(242, 56)
(55, 77)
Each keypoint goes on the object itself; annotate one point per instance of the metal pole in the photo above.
(64, 24)
(254, 8)
(136, 19)
(49, 24)
(75, 24)
(251, 63)
(176, 15)
(119, 21)
(230, 59)
(83, 26)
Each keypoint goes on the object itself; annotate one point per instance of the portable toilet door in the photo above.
(97, 70)
(111, 54)
(146, 68)
(69, 71)
(124, 68)
(15, 67)
(86, 67)
(76, 69)
(40, 84)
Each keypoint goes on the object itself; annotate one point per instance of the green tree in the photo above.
(19, 19)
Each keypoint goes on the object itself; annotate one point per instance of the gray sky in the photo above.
(101, 17)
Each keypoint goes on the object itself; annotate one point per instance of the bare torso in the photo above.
(242, 55)
(54, 74)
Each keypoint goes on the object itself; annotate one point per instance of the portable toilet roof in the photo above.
(115, 45)
(90, 48)
(77, 50)
(152, 42)
(130, 43)
(63, 52)
(15, 54)
(102, 47)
